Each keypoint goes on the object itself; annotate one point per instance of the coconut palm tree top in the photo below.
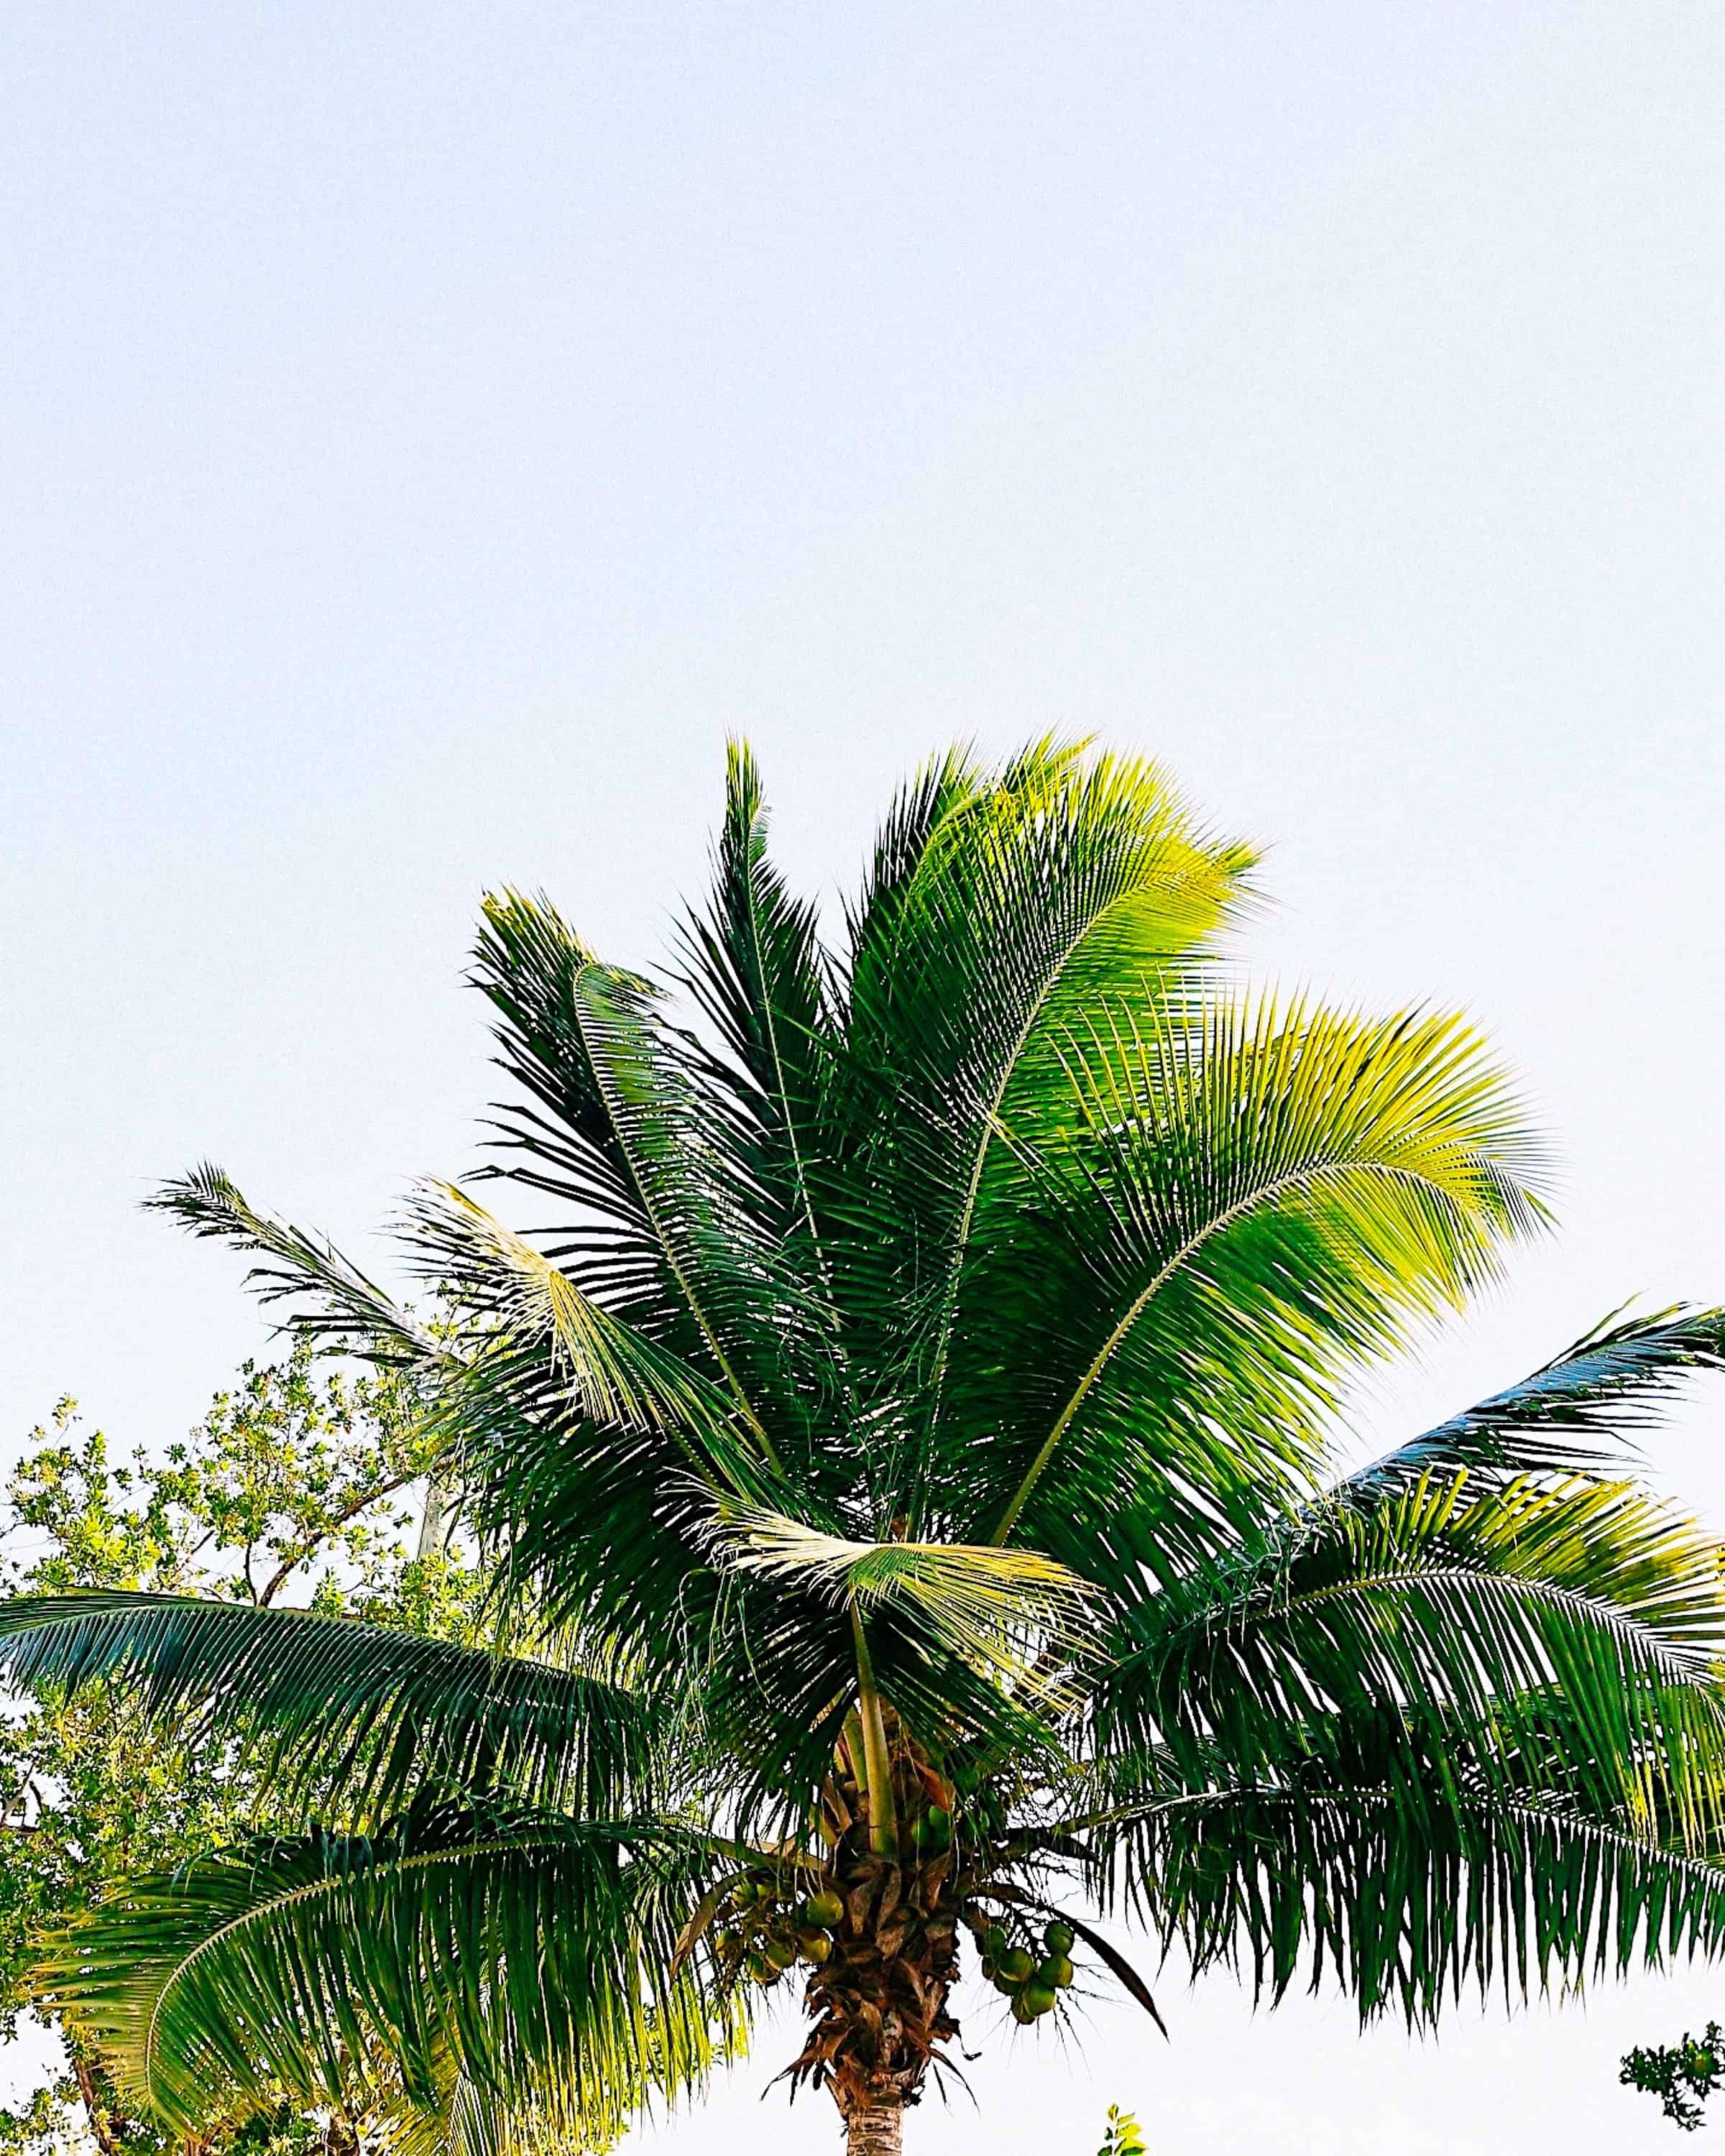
(898, 1381)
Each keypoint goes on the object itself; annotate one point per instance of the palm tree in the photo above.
(906, 1434)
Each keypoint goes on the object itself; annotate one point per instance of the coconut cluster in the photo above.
(1032, 1980)
(770, 1931)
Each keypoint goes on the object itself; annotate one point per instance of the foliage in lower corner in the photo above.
(1682, 2075)
(295, 1487)
(1124, 2137)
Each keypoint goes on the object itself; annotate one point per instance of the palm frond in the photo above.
(756, 971)
(506, 1946)
(1030, 896)
(340, 1305)
(607, 1373)
(1233, 1219)
(1580, 1625)
(344, 1705)
(560, 1139)
(1012, 1613)
(1579, 1412)
(1408, 1898)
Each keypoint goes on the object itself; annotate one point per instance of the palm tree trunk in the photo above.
(105, 2129)
(437, 1519)
(874, 2129)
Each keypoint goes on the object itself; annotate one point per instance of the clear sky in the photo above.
(426, 431)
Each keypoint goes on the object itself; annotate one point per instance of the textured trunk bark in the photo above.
(876, 2130)
(104, 2129)
(437, 1519)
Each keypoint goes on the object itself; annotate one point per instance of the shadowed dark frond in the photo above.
(1580, 1625)
(1580, 1412)
(1408, 1898)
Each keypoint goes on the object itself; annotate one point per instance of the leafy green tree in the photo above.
(907, 1441)
(292, 1485)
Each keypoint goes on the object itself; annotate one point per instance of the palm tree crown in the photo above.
(907, 1456)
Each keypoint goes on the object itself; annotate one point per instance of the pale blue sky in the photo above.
(426, 431)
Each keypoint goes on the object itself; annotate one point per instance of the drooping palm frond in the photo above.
(1012, 1613)
(1406, 1899)
(1581, 1626)
(337, 1303)
(1236, 1216)
(519, 1947)
(1580, 1412)
(347, 1707)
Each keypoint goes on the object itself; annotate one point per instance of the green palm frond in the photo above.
(1581, 1624)
(608, 1373)
(506, 1947)
(682, 1249)
(1235, 1216)
(1013, 906)
(756, 970)
(338, 1303)
(560, 1139)
(345, 1706)
(1013, 1613)
(1407, 1898)
(549, 2115)
(1578, 1412)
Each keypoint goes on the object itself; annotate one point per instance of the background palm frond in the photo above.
(346, 1707)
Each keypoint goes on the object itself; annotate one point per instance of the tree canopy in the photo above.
(896, 1380)
(297, 1486)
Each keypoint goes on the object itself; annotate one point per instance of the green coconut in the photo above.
(1056, 1973)
(1037, 1999)
(1021, 2011)
(815, 1946)
(1016, 1965)
(994, 1940)
(823, 1910)
(1058, 1938)
(781, 1952)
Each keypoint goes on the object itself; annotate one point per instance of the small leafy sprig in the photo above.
(1682, 2075)
(1125, 2137)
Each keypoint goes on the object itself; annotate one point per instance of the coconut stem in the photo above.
(877, 1766)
